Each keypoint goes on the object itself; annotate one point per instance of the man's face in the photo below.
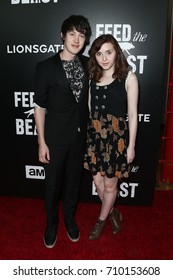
(74, 41)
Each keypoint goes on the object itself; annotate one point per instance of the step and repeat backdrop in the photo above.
(30, 32)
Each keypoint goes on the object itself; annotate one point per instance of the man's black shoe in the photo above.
(72, 230)
(50, 237)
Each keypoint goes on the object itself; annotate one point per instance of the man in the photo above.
(61, 114)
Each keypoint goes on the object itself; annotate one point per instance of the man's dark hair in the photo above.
(80, 23)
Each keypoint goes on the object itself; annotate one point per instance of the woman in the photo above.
(110, 143)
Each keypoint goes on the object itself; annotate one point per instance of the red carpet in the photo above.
(147, 232)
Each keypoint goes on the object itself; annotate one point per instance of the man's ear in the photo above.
(62, 37)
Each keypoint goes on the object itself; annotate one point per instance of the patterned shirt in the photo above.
(75, 75)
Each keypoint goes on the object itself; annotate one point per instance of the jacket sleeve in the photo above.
(41, 86)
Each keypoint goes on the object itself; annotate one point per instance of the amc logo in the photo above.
(34, 172)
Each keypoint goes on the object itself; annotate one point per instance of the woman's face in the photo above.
(106, 56)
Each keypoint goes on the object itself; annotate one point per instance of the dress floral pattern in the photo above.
(106, 150)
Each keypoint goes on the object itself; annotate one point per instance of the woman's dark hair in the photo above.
(80, 23)
(121, 65)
